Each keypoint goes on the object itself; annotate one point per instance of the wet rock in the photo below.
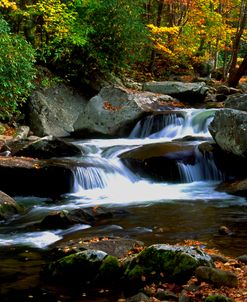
(159, 161)
(229, 130)
(43, 148)
(216, 276)
(223, 230)
(64, 219)
(236, 187)
(166, 295)
(8, 207)
(26, 176)
(242, 258)
(165, 262)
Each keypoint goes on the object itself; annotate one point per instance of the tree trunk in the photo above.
(158, 23)
(235, 77)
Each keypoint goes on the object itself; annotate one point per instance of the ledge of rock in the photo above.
(27, 176)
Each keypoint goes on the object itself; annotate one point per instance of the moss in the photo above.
(110, 270)
(217, 298)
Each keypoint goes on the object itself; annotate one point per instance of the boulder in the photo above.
(229, 130)
(53, 111)
(8, 207)
(26, 176)
(115, 110)
(159, 160)
(114, 246)
(187, 92)
(218, 298)
(165, 262)
(42, 148)
(236, 187)
(237, 101)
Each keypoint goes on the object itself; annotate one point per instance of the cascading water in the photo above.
(203, 169)
(157, 211)
(189, 122)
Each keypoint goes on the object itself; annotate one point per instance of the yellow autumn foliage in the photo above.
(8, 4)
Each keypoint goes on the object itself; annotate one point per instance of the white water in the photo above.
(103, 180)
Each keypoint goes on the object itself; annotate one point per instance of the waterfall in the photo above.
(204, 168)
(189, 122)
(155, 123)
(100, 174)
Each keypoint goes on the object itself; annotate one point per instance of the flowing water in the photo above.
(154, 211)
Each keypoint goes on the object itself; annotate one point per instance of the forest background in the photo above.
(80, 40)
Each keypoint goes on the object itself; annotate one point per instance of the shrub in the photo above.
(16, 71)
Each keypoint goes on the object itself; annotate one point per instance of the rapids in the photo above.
(156, 211)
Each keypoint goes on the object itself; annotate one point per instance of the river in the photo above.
(154, 211)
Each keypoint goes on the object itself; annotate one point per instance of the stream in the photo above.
(153, 211)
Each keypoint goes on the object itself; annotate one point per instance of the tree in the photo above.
(17, 71)
(234, 73)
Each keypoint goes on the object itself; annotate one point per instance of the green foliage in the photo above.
(16, 71)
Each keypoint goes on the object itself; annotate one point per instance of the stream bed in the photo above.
(149, 210)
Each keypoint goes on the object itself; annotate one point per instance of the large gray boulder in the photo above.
(237, 101)
(229, 130)
(115, 110)
(189, 92)
(53, 111)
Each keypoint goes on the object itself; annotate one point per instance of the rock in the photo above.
(22, 132)
(218, 298)
(159, 161)
(242, 258)
(236, 187)
(237, 101)
(114, 111)
(54, 110)
(76, 268)
(25, 176)
(140, 297)
(216, 276)
(114, 246)
(8, 207)
(188, 92)
(42, 148)
(165, 262)
(223, 230)
(64, 219)
(229, 130)
(220, 258)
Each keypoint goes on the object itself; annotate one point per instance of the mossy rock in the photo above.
(162, 261)
(79, 267)
(218, 298)
(110, 271)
